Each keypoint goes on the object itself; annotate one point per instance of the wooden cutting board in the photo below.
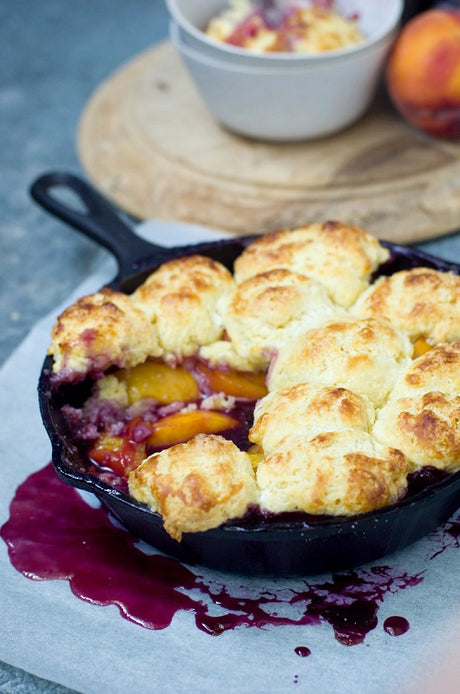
(147, 142)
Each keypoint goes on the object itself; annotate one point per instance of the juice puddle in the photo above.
(52, 533)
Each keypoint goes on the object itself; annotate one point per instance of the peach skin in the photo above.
(423, 72)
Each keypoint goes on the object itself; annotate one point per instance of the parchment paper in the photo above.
(49, 632)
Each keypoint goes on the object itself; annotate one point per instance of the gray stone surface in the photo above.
(16, 681)
(53, 54)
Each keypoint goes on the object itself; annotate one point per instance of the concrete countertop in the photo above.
(52, 57)
(53, 54)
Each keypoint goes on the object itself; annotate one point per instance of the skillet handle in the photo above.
(98, 221)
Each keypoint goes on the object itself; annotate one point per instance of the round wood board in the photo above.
(146, 140)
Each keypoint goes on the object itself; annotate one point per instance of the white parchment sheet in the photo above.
(46, 630)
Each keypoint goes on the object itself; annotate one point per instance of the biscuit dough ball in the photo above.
(421, 301)
(306, 409)
(340, 256)
(97, 331)
(336, 473)
(426, 428)
(436, 370)
(363, 355)
(267, 308)
(185, 299)
(422, 415)
(196, 485)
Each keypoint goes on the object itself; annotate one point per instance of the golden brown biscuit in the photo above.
(98, 331)
(422, 302)
(340, 256)
(336, 473)
(266, 309)
(185, 299)
(422, 415)
(363, 355)
(426, 428)
(196, 485)
(306, 409)
(437, 370)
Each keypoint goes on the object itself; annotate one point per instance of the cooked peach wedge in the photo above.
(240, 384)
(122, 453)
(118, 453)
(256, 455)
(421, 346)
(182, 426)
(157, 380)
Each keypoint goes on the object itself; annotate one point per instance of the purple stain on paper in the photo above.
(445, 537)
(52, 533)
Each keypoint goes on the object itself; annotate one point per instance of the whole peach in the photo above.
(423, 72)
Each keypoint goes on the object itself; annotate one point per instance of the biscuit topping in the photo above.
(299, 383)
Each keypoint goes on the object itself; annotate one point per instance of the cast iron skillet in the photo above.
(284, 547)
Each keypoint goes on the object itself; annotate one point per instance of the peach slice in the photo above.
(182, 426)
(159, 381)
(117, 453)
(421, 346)
(256, 454)
(240, 384)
